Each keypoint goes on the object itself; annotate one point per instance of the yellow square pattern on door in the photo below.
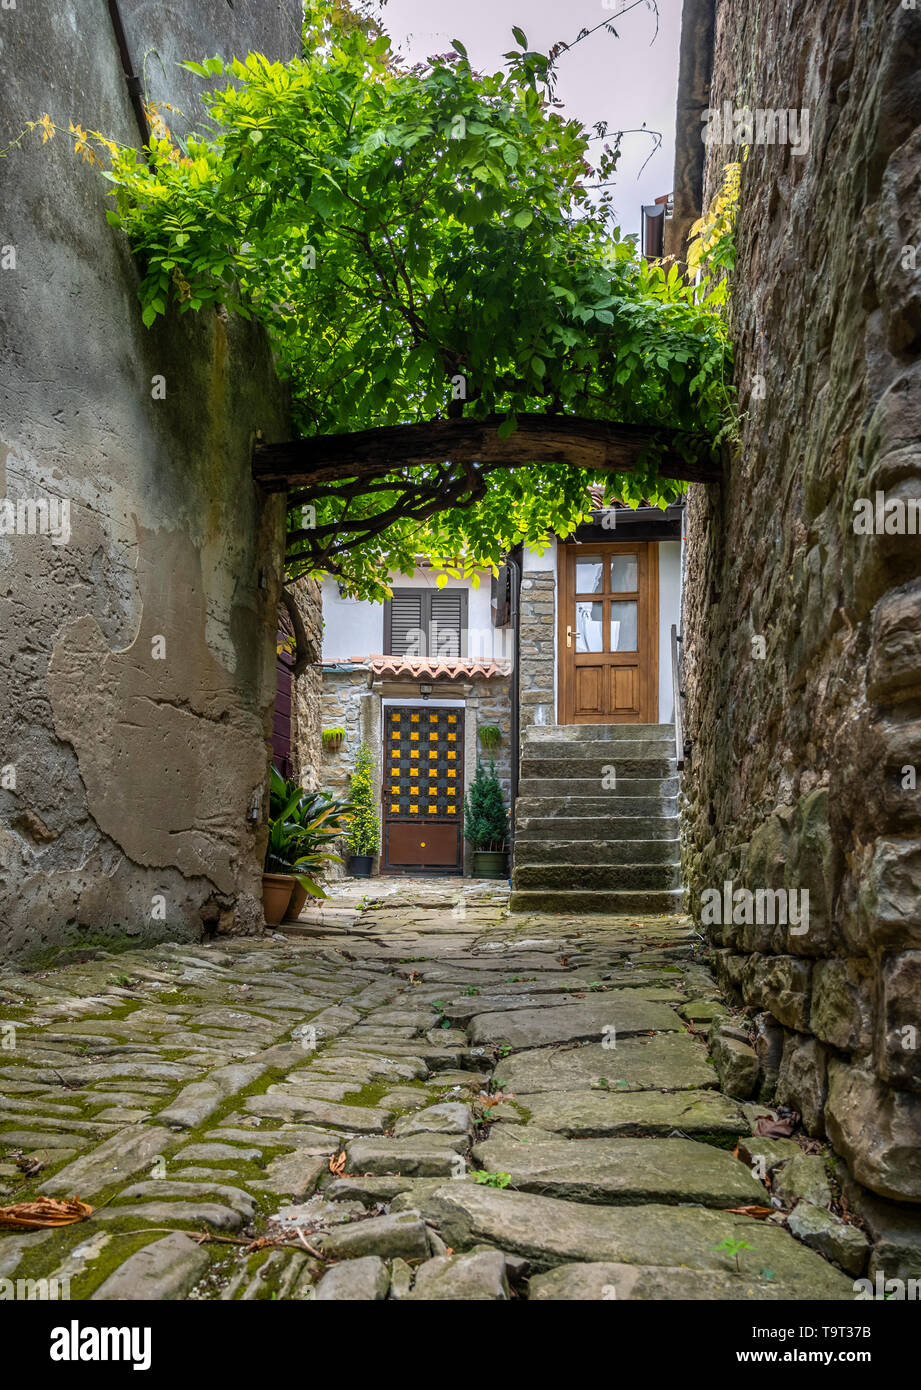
(438, 796)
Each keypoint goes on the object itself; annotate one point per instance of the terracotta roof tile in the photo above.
(421, 668)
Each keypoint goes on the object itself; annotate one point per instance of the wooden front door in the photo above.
(608, 633)
(422, 789)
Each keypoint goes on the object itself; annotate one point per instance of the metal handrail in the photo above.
(677, 696)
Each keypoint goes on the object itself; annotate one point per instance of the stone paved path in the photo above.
(440, 1102)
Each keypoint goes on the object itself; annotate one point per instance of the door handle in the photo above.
(569, 637)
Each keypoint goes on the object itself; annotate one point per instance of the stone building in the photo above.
(542, 644)
(802, 625)
(136, 642)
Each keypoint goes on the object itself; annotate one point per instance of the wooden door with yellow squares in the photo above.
(422, 789)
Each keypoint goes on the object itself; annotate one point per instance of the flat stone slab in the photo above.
(354, 1281)
(626, 1171)
(597, 1114)
(667, 1061)
(115, 1160)
(450, 1117)
(401, 1235)
(474, 1277)
(420, 1156)
(616, 1014)
(166, 1269)
(654, 1283)
(359, 1119)
(292, 1175)
(369, 1189)
(550, 1232)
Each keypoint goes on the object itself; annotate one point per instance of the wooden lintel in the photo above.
(570, 440)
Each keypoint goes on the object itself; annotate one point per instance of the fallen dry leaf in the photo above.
(776, 1129)
(337, 1163)
(759, 1213)
(45, 1211)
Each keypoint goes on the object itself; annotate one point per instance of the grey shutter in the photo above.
(447, 623)
(406, 625)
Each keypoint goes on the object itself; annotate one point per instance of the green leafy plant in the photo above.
(364, 835)
(415, 238)
(733, 1248)
(332, 737)
(492, 1179)
(302, 826)
(490, 735)
(485, 816)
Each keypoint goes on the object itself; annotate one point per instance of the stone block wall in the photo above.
(489, 702)
(802, 639)
(537, 660)
(306, 724)
(137, 657)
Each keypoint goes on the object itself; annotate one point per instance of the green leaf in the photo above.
(520, 36)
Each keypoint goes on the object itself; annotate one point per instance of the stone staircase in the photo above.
(581, 847)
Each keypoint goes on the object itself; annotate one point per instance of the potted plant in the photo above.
(490, 736)
(332, 739)
(486, 823)
(301, 825)
(364, 835)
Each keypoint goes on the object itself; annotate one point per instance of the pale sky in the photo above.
(625, 80)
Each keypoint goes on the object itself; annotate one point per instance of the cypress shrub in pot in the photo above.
(486, 823)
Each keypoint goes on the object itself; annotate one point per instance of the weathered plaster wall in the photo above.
(798, 768)
(137, 659)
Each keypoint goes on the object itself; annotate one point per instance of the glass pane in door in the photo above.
(588, 627)
(623, 574)
(623, 626)
(589, 575)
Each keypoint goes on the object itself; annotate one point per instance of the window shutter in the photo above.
(501, 597)
(446, 624)
(407, 629)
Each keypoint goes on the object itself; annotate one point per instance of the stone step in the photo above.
(613, 733)
(605, 748)
(622, 1171)
(533, 829)
(590, 850)
(606, 903)
(556, 803)
(596, 876)
(596, 766)
(576, 788)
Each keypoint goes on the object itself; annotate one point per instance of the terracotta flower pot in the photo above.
(296, 907)
(276, 895)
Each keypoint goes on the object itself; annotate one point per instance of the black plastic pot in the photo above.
(360, 865)
(489, 863)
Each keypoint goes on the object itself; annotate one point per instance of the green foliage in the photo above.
(490, 735)
(492, 1179)
(332, 737)
(301, 826)
(364, 835)
(485, 816)
(414, 240)
(733, 1248)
